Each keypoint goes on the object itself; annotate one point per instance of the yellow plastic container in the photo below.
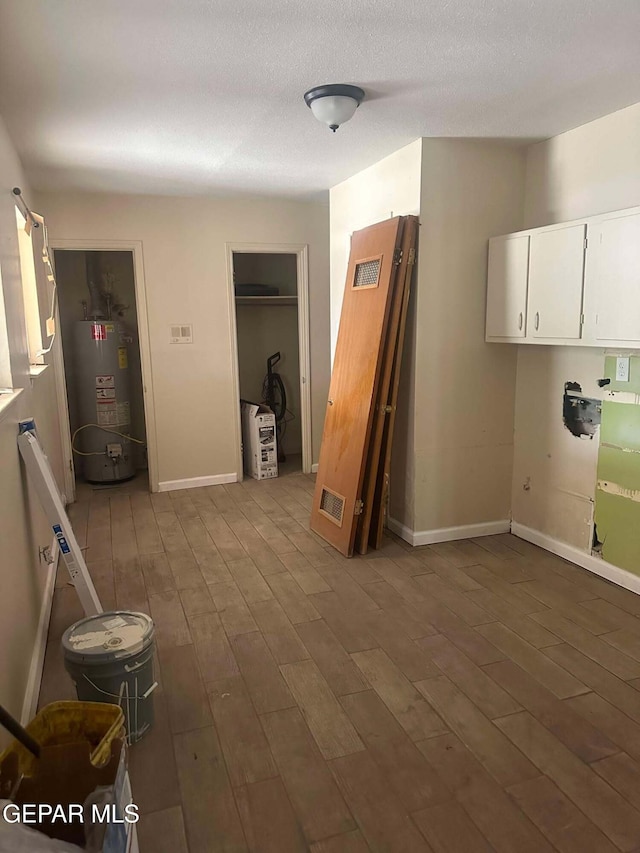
(61, 723)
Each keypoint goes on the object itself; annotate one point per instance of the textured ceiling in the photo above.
(190, 96)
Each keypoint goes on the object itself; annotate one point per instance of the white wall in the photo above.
(186, 281)
(23, 527)
(464, 388)
(592, 169)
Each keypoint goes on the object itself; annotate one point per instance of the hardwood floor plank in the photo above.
(329, 725)
(269, 822)
(566, 827)
(605, 807)
(162, 832)
(233, 609)
(550, 674)
(620, 694)
(448, 829)
(184, 569)
(244, 745)
(152, 765)
(350, 627)
(614, 613)
(215, 658)
(623, 774)
(483, 691)
(157, 573)
(261, 674)
(401, 697)
(249, 580)
(625, 641)
(494, 751)
(410, 621)
(210, 813)
(456, 601)
(148, 537)
(408, 656)
(413, 780)
(312, 790)
(305, 575)
(616, 726)
(380, 815)
(514, 594)
(580, 736)
(170, 621)
(297, 606)
(341, 673)
(212, 567)
(610, 658)
(197, 600)
(182, 685)
(171, 531)
(520, 623)
(350, 842)
(280, 635)
(505, 827)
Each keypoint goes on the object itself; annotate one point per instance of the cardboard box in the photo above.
(259, 446)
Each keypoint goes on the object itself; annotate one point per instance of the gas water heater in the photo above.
(104, 403)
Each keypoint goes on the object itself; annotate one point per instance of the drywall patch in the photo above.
(581, 415)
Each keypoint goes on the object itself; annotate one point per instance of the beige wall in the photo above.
(23, 526)
(453, 442)
(592, 169)
(464, 387)
(186, 281)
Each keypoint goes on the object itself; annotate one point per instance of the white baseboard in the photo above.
(197, 482)
(598, 566)
(448, 534)
(314, 468)
(31, 694)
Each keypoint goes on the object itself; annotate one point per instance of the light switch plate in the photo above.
(622, 369)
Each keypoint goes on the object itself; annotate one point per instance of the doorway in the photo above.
(270, 334)
(103, 371)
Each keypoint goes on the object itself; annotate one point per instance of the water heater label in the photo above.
(104, 381)
(124, 413)
(122, 358)
(99, 332)
(105, 393)
(106, 413)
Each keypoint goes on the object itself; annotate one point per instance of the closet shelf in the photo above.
(266, 300)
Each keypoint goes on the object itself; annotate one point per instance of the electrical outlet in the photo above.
(622, 369)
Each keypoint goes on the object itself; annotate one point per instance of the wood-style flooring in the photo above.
(467, 697)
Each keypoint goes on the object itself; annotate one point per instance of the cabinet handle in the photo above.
(520, 321)
(537, 320)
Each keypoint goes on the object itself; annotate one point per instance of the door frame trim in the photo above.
(301, 251)
(135, 247)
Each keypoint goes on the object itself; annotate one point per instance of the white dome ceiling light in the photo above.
(335, 103)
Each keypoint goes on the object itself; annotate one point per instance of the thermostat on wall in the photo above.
(181, 335)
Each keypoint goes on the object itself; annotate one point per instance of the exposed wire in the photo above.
(104, 429)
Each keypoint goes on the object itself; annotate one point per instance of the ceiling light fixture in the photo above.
(335, 103)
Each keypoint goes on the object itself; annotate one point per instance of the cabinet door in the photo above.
(617, 277)
(556, 269)
(507, 286)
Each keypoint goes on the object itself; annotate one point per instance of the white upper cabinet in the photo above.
(615, 244)
(556, 273)
(507, 293)
(575, 283)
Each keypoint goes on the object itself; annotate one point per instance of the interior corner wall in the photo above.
(185, 268)
(586, 171)
(389, 188)
(464, 387)
(23, 526)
